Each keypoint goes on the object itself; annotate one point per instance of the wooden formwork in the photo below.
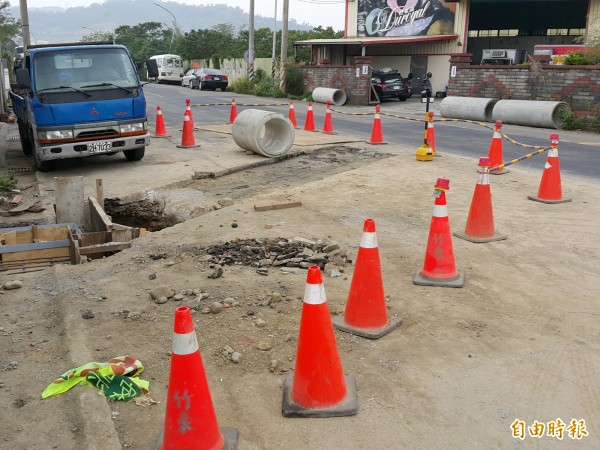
(26, 249)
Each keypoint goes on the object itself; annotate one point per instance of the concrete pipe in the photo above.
(323, 95)
(263, 132)
(530, 113)
(468, 108)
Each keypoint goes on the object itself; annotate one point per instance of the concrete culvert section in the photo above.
(263, 132)
(324, 95)
(468, 108)
(531, 113)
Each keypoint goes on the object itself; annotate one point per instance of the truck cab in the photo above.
(79, 100)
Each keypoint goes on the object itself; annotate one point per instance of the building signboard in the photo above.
(377, 18)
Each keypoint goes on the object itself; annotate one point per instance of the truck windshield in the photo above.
(85, 69)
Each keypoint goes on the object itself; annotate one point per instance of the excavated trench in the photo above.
(156, 209)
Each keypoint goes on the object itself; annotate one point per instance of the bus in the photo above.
(170, 68)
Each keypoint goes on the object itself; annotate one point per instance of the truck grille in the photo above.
(97, 134)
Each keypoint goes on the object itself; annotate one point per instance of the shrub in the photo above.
(569, 120)
(575, 59)
(293, 80)
(242, 86)
(7, 182)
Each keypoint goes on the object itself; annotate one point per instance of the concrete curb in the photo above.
(98, 428)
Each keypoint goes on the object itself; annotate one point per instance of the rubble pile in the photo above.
(295, 254)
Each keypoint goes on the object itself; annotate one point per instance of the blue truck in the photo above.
(79, 100)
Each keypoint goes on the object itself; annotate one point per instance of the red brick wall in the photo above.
(579, 86)
(339, 77)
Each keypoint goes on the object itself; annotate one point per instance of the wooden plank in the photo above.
(7, 249)
(15, 268)
(273, 206)
(69, 200)
(94, 238)
(74, 250)
(122, 235)
(100, 192)
(46, 253)
(103, 248)
(9, 238)
(99, 221)
(27, 235)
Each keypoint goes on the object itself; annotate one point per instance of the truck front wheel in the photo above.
(42, 166)
(26, 139)
(136, 154)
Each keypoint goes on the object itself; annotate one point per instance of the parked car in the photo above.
(210, 79)
(389, 83)
(188, 77)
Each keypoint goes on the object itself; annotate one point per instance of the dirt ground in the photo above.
(519, 341)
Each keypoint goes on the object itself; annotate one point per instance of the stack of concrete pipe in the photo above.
(531, 113)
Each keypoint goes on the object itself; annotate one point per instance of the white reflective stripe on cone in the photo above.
(368, 240)
(483, 178)
(497, 135)
(440, 210)
(185, 344)
(553, 153)
(314, 294)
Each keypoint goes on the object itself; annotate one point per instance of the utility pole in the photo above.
(24, 24)
(284, 44)
(251, 43)
(274, 42)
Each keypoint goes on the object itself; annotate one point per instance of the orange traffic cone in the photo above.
(309, 124)
(550, 190)
(328, 125)
(292, 115)
(480, 222)
(187, 137)
(377, 132)
(233, 111)
(160, 130)
(190, 419)
(318, 387)
(188, 112)
(439, 268)
(495, 152)
(431, 133)
(366, 312)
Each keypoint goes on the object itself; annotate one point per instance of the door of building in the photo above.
(418, 67)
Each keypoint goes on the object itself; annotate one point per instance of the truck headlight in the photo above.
(54, 135)
(133, 127)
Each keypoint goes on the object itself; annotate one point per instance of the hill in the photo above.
(55, 24)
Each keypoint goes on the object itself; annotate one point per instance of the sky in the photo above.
(315, 12)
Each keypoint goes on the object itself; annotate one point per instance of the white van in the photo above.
(170, 68)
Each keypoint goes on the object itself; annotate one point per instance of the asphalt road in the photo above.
(578, 151)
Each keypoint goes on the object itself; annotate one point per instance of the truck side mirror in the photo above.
(23, 78)
(152, 67)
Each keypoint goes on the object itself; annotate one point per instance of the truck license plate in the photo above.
(99, 147)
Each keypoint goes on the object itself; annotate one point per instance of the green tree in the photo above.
(144, 40)
(9, 30)
(302, 52)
